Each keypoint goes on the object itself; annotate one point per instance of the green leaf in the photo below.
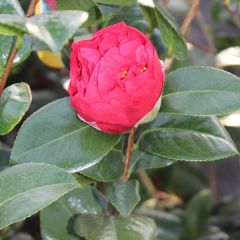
(145, 160)
(124, 196)
(117, 2)
(6, 42)
(11, 7)
(48, 27)
(60, 138)
(27, 188)
(171, 36)
(14, 103)
(53, 29)
(57, 219)
(122, 228)
(197, 211)
(201, 91)
(4, 157)
(84, 5)
(187, 138)
(108, 169)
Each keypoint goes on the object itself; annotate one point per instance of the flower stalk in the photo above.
(127, 159)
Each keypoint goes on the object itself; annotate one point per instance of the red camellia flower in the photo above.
(116, 78)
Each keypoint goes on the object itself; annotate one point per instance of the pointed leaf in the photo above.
(56, 219)
(201, 91)
(48, 27)
(124, 196)
(27, 188)
(122, 228)
(14, 103)
(196, 215)
(145, 160)
(171, 36)
(84, 5)
(60, 138)
(187, 138)
(108, 169)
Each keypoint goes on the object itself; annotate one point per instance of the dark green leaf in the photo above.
(122, 228)
(196, 215)
(14, 103)
(27, 188)
(84, 5)
(145, 160)
(108, 169)
(201, 91)
(124, 196)
(187, 138)
(117, 2)
(57, 219)
(60, 138)
(171, 36)
(4, 157)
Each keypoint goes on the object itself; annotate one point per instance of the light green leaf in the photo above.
(201, 91)
(27, 188)
(57, 219)
(124, 196)
(60, 138)
(171, 36)
(187, 138)
(196, 215)
(108, 169)
(11, 7)
(117, 2)
(122, 228)
(48, 27)
(145, 160)
(14, 103)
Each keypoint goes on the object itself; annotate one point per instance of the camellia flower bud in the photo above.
(116, 79)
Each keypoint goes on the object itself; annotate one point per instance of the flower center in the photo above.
(143, 69)
(124, 73)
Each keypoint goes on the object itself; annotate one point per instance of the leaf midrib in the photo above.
(199, 91)
(29, 190)
(52, 141)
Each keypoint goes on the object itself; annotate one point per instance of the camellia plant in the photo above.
(76, 159)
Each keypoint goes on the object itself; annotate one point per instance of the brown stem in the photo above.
(7, 69)
(190, 15)
(165, 3)
(234, 15)
(185, 28)
(155, 193)
(128, 155)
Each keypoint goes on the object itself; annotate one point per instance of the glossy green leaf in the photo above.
(122, 228)
(108, 169)
(49, 27)
(187, 138)
(84, 5)
(27, 188)
(124, 196)
(171, 36)
(197, 211)
(117, 2)
(6, 42)
(58, 137)
(14, 103)
(201, 91)
(11, 7)
(145, 160)
(57, 219)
